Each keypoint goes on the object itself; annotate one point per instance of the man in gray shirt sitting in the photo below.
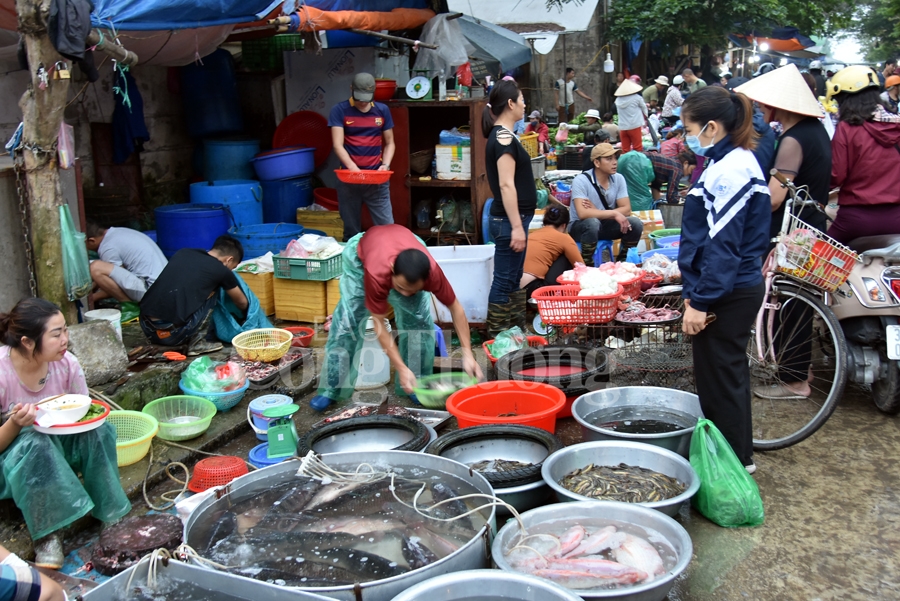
(129, 262)
(600, 208)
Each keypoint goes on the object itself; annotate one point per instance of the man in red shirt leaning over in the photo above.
(362, 135)
(388, 265)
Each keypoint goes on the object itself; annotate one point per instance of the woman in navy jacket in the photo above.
(724, 234)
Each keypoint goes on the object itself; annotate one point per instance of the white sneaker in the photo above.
(751, 469)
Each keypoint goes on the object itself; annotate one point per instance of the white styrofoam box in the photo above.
(453, 162)
(470, 270)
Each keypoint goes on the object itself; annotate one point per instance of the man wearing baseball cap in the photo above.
(600, 208)
(362, 134)
(652, 93)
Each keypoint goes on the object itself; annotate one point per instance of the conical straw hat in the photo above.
(628, 88)
(785, 89)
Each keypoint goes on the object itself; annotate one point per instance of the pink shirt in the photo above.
(63, 377)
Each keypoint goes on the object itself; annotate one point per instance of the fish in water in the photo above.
(223, 527)
(628, 483)
(417, 555)
(498, 465)
(441, 492)
(578, 559)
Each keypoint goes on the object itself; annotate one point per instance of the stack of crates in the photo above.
(306, 290)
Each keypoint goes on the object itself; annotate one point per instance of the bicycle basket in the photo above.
(806, 254)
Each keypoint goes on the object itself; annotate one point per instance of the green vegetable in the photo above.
(95, 410)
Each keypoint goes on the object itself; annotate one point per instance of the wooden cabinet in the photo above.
(417, 126)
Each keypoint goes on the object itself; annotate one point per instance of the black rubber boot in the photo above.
(623, 250)
(497, 318)
(587, 253)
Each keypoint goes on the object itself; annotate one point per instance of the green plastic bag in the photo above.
(728, 495)
(76, 269)
(510, 340)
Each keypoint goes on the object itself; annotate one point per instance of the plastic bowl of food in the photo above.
(63, 409)
(302, 336)
(92, 419)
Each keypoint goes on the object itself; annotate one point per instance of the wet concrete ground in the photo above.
(832, 527)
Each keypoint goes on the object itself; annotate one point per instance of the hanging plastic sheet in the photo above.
(76, 269)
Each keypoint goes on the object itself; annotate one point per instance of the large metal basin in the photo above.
(613, 453)
(472, 556)
(208, 584)
(649, 397)
(631, 518)
(478, 585)
(523, 498)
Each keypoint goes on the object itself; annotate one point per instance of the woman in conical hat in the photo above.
(803, 155)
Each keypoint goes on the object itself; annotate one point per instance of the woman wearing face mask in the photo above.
(38, 471)
(515, 199)
(724, 233)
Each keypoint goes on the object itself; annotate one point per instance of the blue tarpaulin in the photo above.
(144, 15)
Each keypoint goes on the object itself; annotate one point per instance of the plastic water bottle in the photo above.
(434, 168)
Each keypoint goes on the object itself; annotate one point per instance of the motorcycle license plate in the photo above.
(893, 342)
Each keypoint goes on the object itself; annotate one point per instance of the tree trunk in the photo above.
(42, 113)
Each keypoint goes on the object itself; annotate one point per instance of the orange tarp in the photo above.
(313, 19)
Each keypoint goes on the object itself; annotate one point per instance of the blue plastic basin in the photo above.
(284, 163)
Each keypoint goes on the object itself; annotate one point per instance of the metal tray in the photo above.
(266, 382)
(430, 417)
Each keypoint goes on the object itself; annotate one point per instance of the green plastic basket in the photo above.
(174, 415)
(308, 269)
(437, 399)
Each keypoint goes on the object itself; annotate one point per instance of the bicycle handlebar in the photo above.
(781, 178)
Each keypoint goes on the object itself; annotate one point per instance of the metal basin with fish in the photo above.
(612, 453)
(668, 536)
(659, 416)
(481, 585)
(185, 582)
(434, 471)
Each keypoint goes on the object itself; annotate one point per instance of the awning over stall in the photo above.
(499, 48)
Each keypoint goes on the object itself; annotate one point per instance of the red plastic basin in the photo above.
(326, 197)
(507, 402)
(302, 335)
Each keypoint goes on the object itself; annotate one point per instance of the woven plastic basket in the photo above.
(264, 344)
(216, 471)
(632, 288)
(222, 400)
(365, 176)
(181, 417)
(530, 142)
(437, 399)
(134, 433)
(561, 305)
(420, 161)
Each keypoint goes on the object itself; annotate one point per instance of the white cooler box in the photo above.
(453, 162)
(470, 270)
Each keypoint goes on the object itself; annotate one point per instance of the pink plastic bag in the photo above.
(295, 250)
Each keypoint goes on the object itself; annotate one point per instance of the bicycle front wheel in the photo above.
(801, 340)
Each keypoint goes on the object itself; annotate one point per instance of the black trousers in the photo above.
(721, 369)
(560, 265)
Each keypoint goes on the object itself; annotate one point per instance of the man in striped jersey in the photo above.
(362, 134)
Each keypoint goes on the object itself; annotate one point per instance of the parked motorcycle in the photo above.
(868, 308)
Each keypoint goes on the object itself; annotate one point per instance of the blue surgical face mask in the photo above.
(693, 142)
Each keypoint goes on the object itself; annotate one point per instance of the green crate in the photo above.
(318, 270)
(266, 54)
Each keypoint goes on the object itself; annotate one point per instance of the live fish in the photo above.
(627, 483)
(498, 465)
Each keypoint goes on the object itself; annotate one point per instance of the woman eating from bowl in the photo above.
(39, 472)
(724, 234)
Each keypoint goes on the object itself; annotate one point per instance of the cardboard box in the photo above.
(453, 162)
(332, 293)
(300, 300)
(262, 286)
(329, 222)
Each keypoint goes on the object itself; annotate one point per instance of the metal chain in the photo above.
(22, 189)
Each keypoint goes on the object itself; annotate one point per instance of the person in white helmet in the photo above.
(674, 100)
(815, 69)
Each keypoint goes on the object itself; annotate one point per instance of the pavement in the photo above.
(832, 503)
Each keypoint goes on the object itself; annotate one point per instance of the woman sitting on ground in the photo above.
(39, 472)
(550, 251)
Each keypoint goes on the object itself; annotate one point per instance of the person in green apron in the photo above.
(388, 265)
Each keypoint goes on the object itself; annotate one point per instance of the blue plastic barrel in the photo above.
(282, 198)
(259, 456)
(229, 158)
(242, 197)
(257, 240)
(189, 226)
(151, 234)
(210, 96)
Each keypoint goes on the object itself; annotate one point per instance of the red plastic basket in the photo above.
(216, 471)
(533, 341)
(632, 288)
(305, 128)
(365, 176)
(561, 305)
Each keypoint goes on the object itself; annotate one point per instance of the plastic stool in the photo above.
(601, 246)
(440, 347)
